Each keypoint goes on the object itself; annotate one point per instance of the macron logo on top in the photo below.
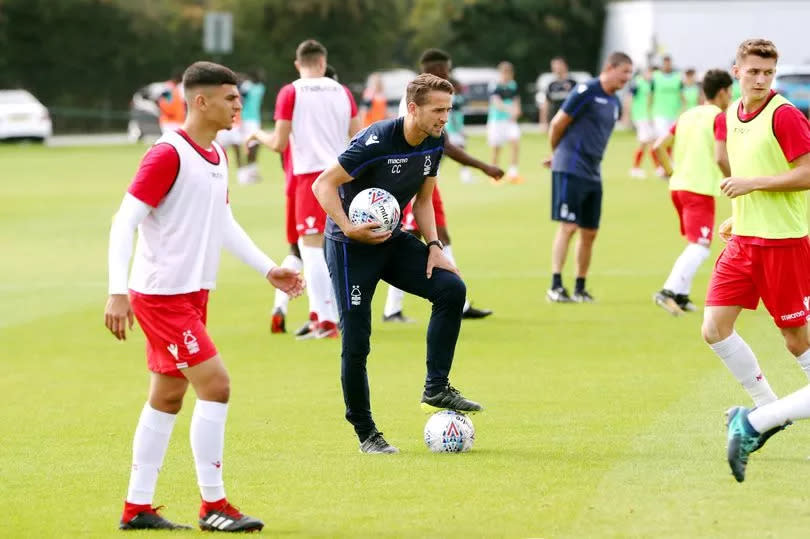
(372, 140)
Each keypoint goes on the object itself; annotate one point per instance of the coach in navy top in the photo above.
(579, 133)
(402, 157)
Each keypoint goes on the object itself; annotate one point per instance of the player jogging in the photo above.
(639, 103)
(316, 115)
(578, 135)
(666, 99)
(358, 257)
(178, 201)
(768, 254)
(701, 162)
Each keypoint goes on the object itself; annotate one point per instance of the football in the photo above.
(449, 432)
(375, 205)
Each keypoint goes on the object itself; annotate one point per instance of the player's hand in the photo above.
(257, 137)
(436, 259)
(116, 314)
(734, 187)
(493, 172)
(547, 161)
(287, 280)
(724, 230)
(365, 233)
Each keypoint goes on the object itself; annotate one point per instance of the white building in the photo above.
(704, 34)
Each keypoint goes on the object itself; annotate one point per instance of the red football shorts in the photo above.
(310, 217)
(408, 221)
(696, 213)
(292, 231)
(777, 272)
(176, 337)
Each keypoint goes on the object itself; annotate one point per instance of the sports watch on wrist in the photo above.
(437, 243)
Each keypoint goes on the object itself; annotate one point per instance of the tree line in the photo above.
(85, 58)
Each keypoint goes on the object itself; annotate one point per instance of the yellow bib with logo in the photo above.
(754, 151)
(695, 167)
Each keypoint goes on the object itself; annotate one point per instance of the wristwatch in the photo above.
(437, 243)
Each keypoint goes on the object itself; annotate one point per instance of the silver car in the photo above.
(22, 116)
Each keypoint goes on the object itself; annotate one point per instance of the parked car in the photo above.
(22, 116)
(793, 82)
(144, 112)
(475, 87)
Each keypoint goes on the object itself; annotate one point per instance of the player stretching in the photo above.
(701, 162)
(178, 201)
(316, 115)
(768, 255)
(358, 257)
(578, 135)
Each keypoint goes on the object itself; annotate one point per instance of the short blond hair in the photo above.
(421, 86)
(757, 47)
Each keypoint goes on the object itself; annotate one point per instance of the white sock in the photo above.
(740, 360)
(316, 272)
(685, 267)
(804, 362)
(208, 444)
(282, 298)
(148, 449)
(393, 301)
(448, 252)
(791, 408)
(513, 170)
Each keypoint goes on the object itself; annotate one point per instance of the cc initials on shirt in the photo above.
(396, 169)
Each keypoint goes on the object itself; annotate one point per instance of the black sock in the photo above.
(556, 280)
(580, 286)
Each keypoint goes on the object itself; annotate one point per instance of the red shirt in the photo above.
(158, 170)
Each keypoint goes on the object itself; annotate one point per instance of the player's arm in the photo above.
(278, 139)
(355, 125)
(325, 189)
(458, 154)
(516, 108)
(721, 157)
(796, 179)
(661, 147)
(117, 312)
(236, 241)
(556, 130)
(425, 219)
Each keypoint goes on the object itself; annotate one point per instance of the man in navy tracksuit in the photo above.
(401, 156)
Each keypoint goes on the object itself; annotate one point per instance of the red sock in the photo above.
(326, 325)
(212, 506)
(655, 159)
(132, 509)
(637, 158)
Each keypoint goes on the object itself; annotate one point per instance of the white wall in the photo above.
(705, 34)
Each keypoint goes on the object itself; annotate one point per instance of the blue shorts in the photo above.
(576, 200)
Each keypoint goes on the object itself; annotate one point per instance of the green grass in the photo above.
(602, 420)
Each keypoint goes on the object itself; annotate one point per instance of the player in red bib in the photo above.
(768, 254)
(179, 204)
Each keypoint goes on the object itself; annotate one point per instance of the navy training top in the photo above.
(379, 156)
(583, 144)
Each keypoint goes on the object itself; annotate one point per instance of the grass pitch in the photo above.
(602, 420)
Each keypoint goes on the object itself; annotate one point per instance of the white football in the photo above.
(375, 205)
(449, 432)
